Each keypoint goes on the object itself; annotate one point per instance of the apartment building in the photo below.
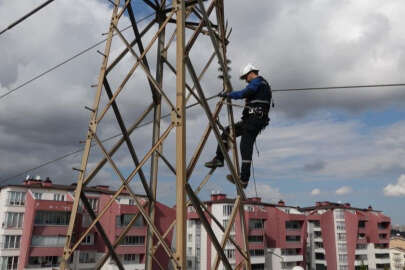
(341, 237)
(34, 219)
(397, 252)
(276, 235)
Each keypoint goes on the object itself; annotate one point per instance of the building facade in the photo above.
(276, 235)
(330, 236)
(341, 237)
(35, 218)
(397, 252)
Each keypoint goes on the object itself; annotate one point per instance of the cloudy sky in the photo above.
(337, 145)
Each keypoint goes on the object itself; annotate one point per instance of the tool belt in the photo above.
(257, 112)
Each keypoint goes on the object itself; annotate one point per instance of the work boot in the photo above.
(215, 162)
(230, 179)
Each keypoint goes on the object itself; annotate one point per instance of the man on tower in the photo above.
(255, 117)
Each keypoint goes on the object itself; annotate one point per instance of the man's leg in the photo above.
(246, 149)
(218, 160)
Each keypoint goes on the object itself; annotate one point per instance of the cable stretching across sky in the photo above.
(66, 155)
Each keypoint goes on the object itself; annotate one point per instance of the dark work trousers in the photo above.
(248, 129)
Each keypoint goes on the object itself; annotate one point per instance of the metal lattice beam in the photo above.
(183, 19)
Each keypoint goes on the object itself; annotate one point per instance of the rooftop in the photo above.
(48, 184)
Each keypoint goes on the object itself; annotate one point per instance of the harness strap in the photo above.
(259, 101)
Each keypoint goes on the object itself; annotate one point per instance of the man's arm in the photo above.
(251, 88)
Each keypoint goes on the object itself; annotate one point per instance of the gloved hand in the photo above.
(223, 94)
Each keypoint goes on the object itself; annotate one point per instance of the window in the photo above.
(225, 223)
(230, 253)
(381, 246)
(37, 195)
(86, 220)
(87, 257)
(382, 236)
(131, 202)
(190, 237)
(318, 245)
(132, 258)
(8, 262)
(93, 203)
(52, 218)
(293, 238)
(255, 238)
(256, 252)
(14, 220)
(339, 214)
(88, 240)
(293, 225)
(256, 223)
(361, 246)
(319, 256)
(382, 256)
(124, 219)
(341, 236)
(362, 223)
(362, 257)
(343, 267)
(44, 261)
(257, 266)
(340, 225)
(133, 240)
(48, 241)
(11, 241)
(58, 197)
(383, 225)
(16, 198)
(227, 209)
(342, 258)
(315, 223)
(342, 247)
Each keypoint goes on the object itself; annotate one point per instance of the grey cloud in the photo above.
(315, 166)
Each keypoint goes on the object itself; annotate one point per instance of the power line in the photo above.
(192, 105)
(66, 61)
(5, 180)
(26, 16)
(339, 87)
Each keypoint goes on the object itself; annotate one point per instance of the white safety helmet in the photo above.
(246, 69)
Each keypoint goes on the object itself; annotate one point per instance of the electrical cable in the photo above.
(26, 16)
(192, 105)
(339, 87)
(67, 60)
(5, 180)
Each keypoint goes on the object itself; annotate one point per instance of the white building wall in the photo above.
(397, 258)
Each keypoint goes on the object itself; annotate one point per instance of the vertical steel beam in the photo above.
(157, 113)
(92, 129)
(197, 205)
(180, 121)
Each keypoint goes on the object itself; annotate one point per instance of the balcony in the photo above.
(293, 258)
(383, 261)
(360, 263)
(319, 250)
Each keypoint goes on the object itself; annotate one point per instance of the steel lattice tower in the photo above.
(195, 20)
